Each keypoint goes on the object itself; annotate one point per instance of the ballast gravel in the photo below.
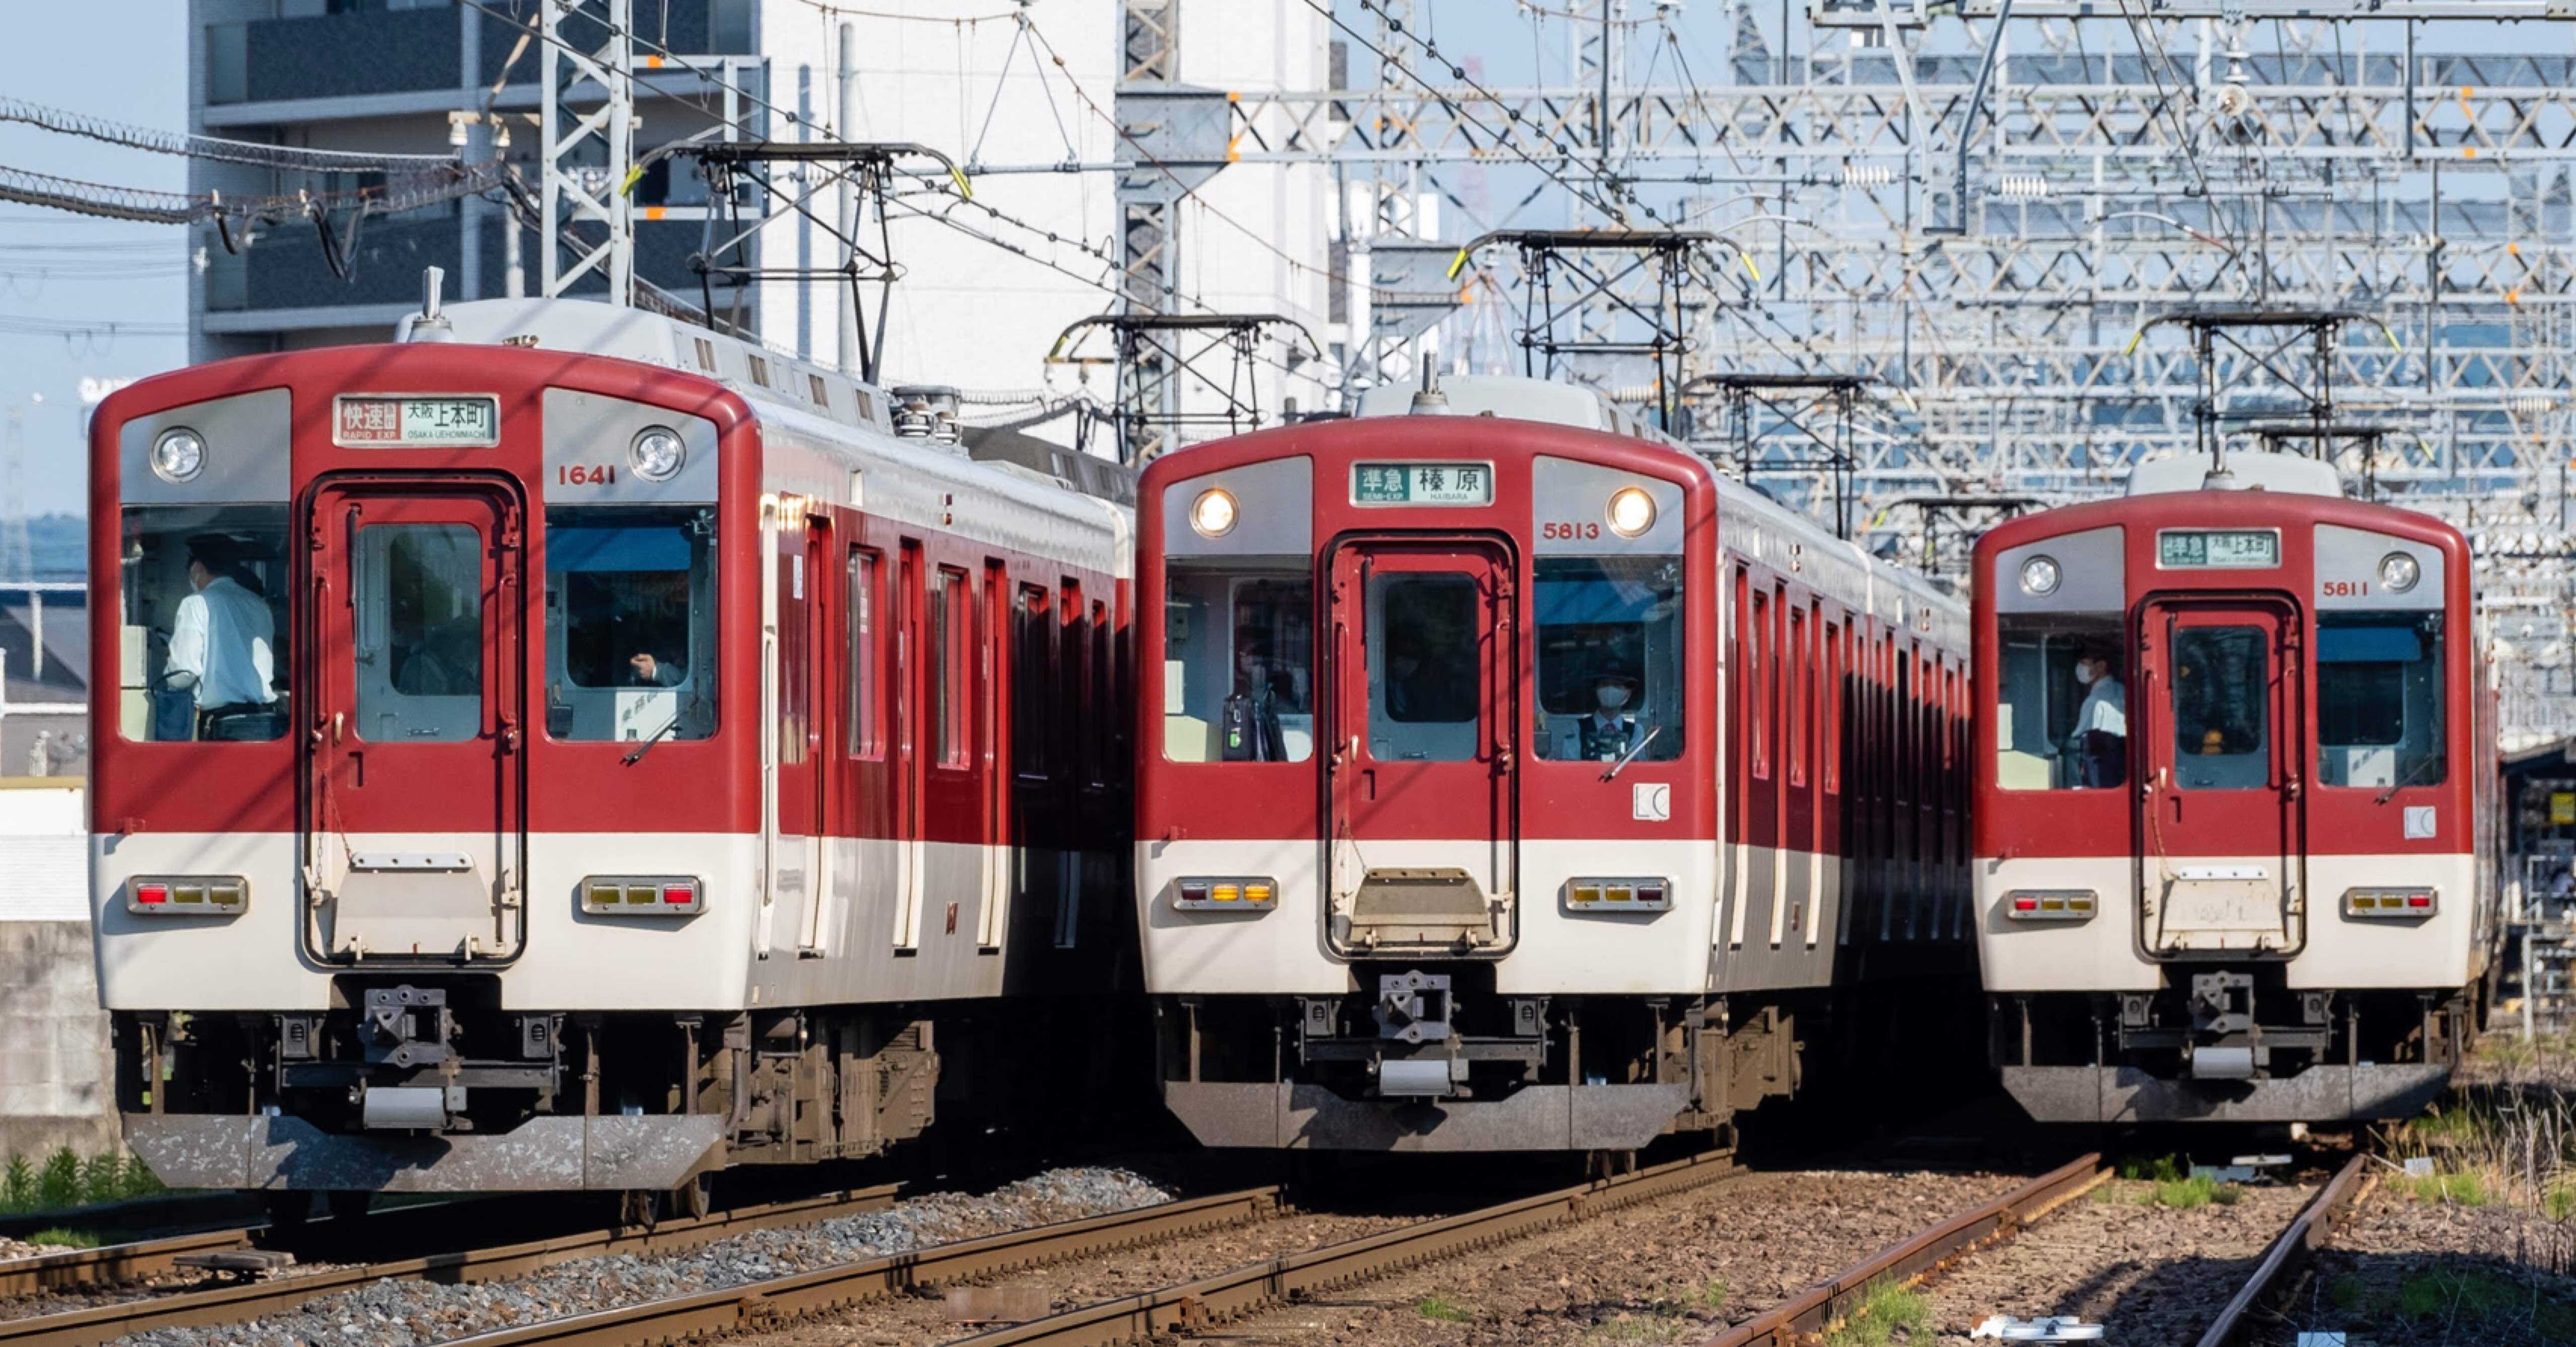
(416, 1313)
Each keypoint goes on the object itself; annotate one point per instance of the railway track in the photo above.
(112, 1264)
(238, 1301)
(1927, 1254)
(764, 1305)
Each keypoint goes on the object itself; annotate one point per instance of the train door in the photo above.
(1425, 729)
(2216, 726)
(806, 717)
(414, 818)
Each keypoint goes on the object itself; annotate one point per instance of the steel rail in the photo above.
(113, 1263)
(772, 1301)
(234, 1303)
(1807, 1314)
(1196, 1305)
(2307, 1231)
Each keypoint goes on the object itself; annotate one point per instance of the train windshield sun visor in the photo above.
(630, 622)
(2061, 703)
(1609, 657)
(205, 623)
(2379, 699)
(1239, 661)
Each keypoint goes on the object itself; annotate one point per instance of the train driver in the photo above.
(222, 640)
(2101, 735)
(1609, 731)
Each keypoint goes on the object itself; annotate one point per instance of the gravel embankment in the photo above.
(416, 1313)
(2152, 1275)
(1676, 1270)
(2408, 1273)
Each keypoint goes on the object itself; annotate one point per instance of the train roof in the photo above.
(2266, 485)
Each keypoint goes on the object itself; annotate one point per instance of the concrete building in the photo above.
(970, 78)
(54, 1061)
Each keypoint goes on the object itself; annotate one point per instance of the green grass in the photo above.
(2463, 1187)
(1638, 1328)
(1710, 1296)
(64, 1180)
(1442, 1311)
(61, 1238)
(1886, 1307)
(2154, 1169)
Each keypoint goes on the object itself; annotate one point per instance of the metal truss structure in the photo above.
(586, 134)
(1154, 352)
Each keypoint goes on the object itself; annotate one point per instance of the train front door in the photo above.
(410, 675)
(2216, 726)
(1424, 724)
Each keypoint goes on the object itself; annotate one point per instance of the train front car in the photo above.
(1429, 846)
(2234, 767)
(576, 755)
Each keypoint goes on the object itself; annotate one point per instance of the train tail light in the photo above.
(1225, 893)
(1632, 893)
(2387, 903)
(188, 895)
(2051, 904)
(643, 896)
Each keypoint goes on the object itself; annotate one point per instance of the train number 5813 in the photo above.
(1571, 532)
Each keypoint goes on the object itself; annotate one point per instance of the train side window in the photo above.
(1239, 662)
(1757, 682)
(2061, 710)
(867, 732)
(2379, 699)
(1032, 683)
(630, 622)
(1829, 724)
(205, 623)
(1609, 657)
(952, 625)
(1106, 760)
(2222, 692)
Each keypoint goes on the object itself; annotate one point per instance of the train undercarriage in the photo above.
(426, 1084)
(2228, 1043)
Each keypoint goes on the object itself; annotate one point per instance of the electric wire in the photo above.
(66, 122)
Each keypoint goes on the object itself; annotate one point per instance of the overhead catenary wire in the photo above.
(114, 202)
(214, 148)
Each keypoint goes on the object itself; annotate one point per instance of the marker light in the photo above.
(2039, 575)
(1626, 893)
(2400, 903)
(179, 454)
(188, 895)
(2398, 572)
(1225, 893)
(1213, 513)
(643, 896)
(1632, 511)
(2051, 905)
(657, 453)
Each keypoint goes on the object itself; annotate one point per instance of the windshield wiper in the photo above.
(2407, 780)
(636, 755)
(1613, 769)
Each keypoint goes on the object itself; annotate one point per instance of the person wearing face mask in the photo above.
(2102, 722)
(1610, 731)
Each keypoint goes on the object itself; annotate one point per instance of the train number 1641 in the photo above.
(583, 474)
(1568, 531)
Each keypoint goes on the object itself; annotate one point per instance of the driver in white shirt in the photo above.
(2102, 722)
(223, 640)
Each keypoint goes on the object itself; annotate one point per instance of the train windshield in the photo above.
(630, 622)
(2061, 708)
(1239, 661)
(1609, 657)
(2379, 699)
(205, 622)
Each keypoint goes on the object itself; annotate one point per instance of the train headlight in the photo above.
(657, 453)
(2051, 904)
(179, 454)
(1632, 511)
(2040, 575)
(1225, 893)
(1213, 513)
(2398, 903)
(2398, 572)
(643, 896)
(188, 895)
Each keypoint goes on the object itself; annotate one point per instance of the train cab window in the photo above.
(2379, 699)
(2222, 686)
(1609, 657)
(1239, 663)
(419, 596)
(1426, 636)
(205, 623)
(630, 622)
(2061, 710)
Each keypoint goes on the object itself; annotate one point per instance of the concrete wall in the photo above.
(54, 1057)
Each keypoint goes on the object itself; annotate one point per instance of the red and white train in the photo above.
(1508, 779)
(570, 749)
(2235, 833)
